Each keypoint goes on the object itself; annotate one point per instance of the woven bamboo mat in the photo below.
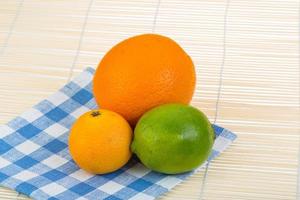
(247, 58)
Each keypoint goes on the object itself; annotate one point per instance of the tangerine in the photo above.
(100, 140)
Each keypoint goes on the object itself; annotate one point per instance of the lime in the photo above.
(173, 138)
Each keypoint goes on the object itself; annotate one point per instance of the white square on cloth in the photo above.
(142, 196)
(169, 182)
(138, 170)
(54, 188)
(81, 175)
(58, 98)
(111, 187)
(56, 130)
(27, 147)
(25, 175)
(31, 115)
(5, 131)
(54, 161)
(4, 162)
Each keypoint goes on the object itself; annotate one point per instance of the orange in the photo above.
(100, 140)
(143, 72)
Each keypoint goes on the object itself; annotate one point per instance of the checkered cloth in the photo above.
(34, 157)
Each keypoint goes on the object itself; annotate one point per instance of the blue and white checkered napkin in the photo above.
(34, 157)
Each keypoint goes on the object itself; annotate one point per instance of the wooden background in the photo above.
(44, 42)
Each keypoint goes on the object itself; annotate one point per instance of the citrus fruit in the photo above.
(173, 138)
(100, 140)
(142, 72)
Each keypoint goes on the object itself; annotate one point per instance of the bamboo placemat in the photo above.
(247, 58)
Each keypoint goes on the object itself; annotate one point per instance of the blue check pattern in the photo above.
(35, 161)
